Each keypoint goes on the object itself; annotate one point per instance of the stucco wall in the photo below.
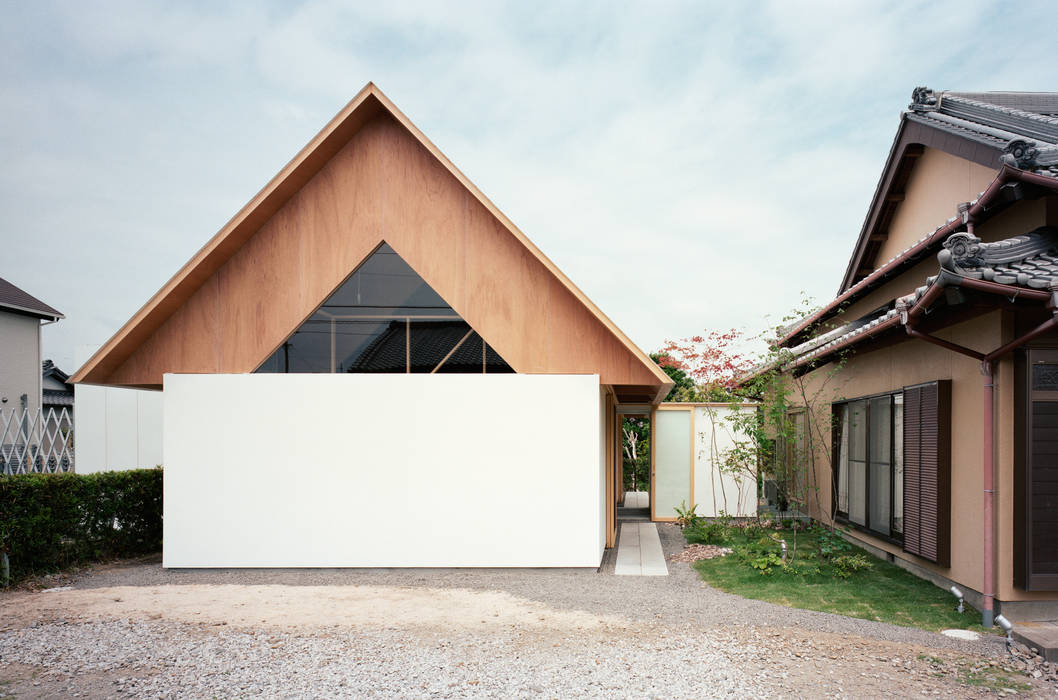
(912, 362)
(938, 182)
(382, 470)
(20, 366)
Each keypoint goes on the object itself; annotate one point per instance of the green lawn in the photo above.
(882, 592)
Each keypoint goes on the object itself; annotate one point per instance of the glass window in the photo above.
(1045, 377)
(858, 462)
(843, 461)
(898, 463)
(385, 318)
(869, 468)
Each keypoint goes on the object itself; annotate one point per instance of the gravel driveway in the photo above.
(137, 630)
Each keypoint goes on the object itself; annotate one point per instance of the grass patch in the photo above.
(881, 591)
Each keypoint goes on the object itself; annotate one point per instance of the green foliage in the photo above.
(846, 565)
(635, 453)
(686, 517)
(714, 532)
(830, 543)
(51, 521)
(765, 563)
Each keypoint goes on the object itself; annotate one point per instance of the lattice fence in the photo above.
(38, 441)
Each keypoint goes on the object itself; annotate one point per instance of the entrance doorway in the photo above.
(634, 445)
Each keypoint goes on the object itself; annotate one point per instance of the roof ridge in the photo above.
(1012, 111)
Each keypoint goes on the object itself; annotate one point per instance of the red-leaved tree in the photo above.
(713, 360)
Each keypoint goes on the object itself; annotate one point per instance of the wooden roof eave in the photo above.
(368, 103)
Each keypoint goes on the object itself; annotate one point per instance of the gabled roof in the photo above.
(21, 302)
(1016, 133)
(48, 369)
(369, 104)
(1016, 129)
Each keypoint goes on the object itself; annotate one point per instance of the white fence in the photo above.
(36, 441)
(701, 461)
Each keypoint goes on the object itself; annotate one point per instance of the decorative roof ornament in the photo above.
(1029, 260)
(923, 99)
(961, 250)
(1020, 153)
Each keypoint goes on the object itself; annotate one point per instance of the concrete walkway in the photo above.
(637, 499)
(639, 551)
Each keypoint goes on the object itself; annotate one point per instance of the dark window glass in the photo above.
(384, 319)
(1045, 377)
(869, 469)
(881, 468)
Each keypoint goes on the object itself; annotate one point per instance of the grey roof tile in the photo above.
(1020, 125)
(11, 297)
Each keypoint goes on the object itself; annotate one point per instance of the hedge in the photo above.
(52, 521)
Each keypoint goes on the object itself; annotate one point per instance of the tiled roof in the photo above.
(1029, 261)
(54, 397)
(1024, 126)
(1020, 129)
(11, 297)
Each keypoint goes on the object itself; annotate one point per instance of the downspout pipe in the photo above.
(988, 368)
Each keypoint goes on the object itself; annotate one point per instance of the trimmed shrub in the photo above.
(52, 521)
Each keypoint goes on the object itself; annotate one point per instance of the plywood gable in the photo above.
(384, 184)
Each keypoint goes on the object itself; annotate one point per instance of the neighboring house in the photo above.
(56, 390)
(23, 432)
(942, 414)
(57, 404)
(21, 316)
(370, 365)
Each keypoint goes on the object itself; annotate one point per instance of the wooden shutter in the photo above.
(927, 471)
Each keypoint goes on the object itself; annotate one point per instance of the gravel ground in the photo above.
(136, 630)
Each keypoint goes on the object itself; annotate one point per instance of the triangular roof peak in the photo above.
(365, 108)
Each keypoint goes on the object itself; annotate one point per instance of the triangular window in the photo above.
(385, 319)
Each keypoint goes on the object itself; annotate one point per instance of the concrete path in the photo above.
(637, 499)
(639, 551)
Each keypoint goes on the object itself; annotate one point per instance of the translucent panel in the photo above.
(672, 462)
(858, 430)
(880, 497)
(898, 464)
(843, 461)
(384, 319)
(858, 492)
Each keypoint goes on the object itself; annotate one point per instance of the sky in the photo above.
(690, 166)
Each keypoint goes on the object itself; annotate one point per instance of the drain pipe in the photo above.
(988, 368)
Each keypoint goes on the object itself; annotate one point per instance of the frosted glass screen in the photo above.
(672, 462)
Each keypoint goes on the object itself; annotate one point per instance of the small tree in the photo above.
(635, 446)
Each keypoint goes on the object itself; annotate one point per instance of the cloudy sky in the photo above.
(690, 166)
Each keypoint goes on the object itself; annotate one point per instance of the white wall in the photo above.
(382, 470)
(116, 429)
(716, 486)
